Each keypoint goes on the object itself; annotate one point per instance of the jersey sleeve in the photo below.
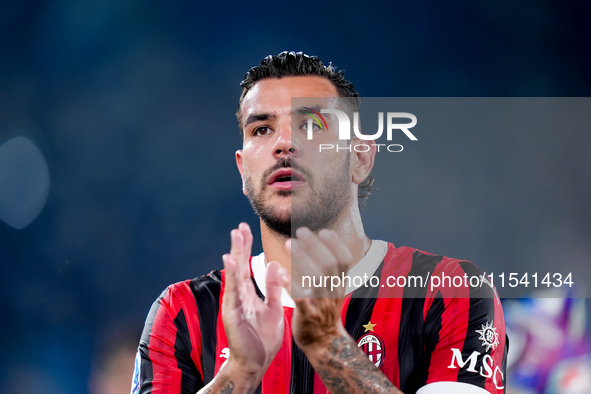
(465, 330)
(168, 359)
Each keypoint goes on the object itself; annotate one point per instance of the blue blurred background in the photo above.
(125, 113)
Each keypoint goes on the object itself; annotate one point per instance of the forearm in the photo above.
(231, 381)
(345, 368)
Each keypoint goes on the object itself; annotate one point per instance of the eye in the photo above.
(261, 131)
(310, 123)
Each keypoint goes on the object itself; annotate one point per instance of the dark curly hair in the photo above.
(291, 64)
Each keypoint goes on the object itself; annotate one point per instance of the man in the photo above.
(239, 331)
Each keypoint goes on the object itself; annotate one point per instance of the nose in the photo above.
(284, 144)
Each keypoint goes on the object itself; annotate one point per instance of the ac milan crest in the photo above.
(373, 346)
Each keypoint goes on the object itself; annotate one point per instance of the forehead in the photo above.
(273, 95)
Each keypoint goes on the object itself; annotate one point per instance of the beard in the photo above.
(325, 203)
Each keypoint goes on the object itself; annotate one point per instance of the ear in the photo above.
(240, 164)
(362, 159)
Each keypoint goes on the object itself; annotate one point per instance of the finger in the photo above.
(296, 289)
(305, 306)
(231, 291)
(315, 280)
(238, 290)
(317, 251)
(274, 283)
(288, 274)
(307, 280)
(237, 252)
(300, 261)
(237, 246)
(247, 234)
(338, 248)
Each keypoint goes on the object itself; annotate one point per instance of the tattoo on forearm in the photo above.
(344, 368)
(228, 389)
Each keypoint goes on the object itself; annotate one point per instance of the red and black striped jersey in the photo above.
(423, 338)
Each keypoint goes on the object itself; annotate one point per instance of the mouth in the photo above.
(286, 179)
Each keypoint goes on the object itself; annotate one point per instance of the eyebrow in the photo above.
(306, 110)
(317, 108)
(258, 118)
(266, 116)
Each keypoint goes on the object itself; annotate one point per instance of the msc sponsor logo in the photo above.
(489, 336)
(486, 366)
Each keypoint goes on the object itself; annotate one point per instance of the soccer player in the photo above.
(239, 331)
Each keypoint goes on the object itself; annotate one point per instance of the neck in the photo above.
(348, 226)
(274, 247)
